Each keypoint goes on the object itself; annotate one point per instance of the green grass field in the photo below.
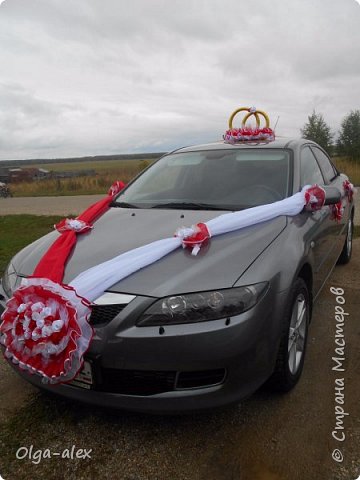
(17, 231)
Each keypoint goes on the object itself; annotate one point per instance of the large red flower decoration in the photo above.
(45, 329)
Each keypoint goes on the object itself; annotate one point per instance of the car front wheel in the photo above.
(347, 248)
(291, 355)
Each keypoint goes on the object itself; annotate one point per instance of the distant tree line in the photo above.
(97, 158)
(347, 143)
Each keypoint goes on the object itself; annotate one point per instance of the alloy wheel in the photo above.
(297, 333)
(349, 238)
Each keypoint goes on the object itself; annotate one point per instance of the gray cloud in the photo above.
(95, 77)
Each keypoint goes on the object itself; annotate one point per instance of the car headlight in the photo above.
(202, 306)
(9, 280)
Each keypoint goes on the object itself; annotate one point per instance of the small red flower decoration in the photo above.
(349, 190)
(314, 198)
(116, 187)
(45, 329)
(337, 211)
(195, 237)
(73, 224)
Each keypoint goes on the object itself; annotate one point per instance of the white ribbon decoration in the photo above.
(92, 283)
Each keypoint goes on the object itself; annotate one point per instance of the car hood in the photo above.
(218, 265)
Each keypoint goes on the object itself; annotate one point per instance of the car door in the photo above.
(333, 178)
(321, 227)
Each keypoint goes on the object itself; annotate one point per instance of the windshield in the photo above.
(216, 179)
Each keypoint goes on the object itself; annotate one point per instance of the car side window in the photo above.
(326, 166)
(310, 172)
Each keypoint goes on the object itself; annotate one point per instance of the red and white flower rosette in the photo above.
(314, 198)
(73, 224)
(45, 329)
(194, 237)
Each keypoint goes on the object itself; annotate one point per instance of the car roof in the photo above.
(279, 142)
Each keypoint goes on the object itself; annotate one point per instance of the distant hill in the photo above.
(97, 158)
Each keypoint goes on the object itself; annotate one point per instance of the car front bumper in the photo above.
(181, 368)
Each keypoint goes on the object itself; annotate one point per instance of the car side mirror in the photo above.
(332, 195)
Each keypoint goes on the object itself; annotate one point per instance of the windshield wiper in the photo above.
(122, 205)
(192, 206)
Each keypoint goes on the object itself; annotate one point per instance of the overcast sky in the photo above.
(90, 77)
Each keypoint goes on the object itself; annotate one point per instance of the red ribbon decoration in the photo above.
(52, 264)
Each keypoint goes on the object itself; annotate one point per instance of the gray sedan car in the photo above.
(193, 332)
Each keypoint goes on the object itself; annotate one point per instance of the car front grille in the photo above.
(103, 314)
(152, 382)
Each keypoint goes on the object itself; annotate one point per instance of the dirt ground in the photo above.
(47, 205)
(267, 437)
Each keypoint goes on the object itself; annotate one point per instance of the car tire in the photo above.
(347, 248)
(291, 354)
